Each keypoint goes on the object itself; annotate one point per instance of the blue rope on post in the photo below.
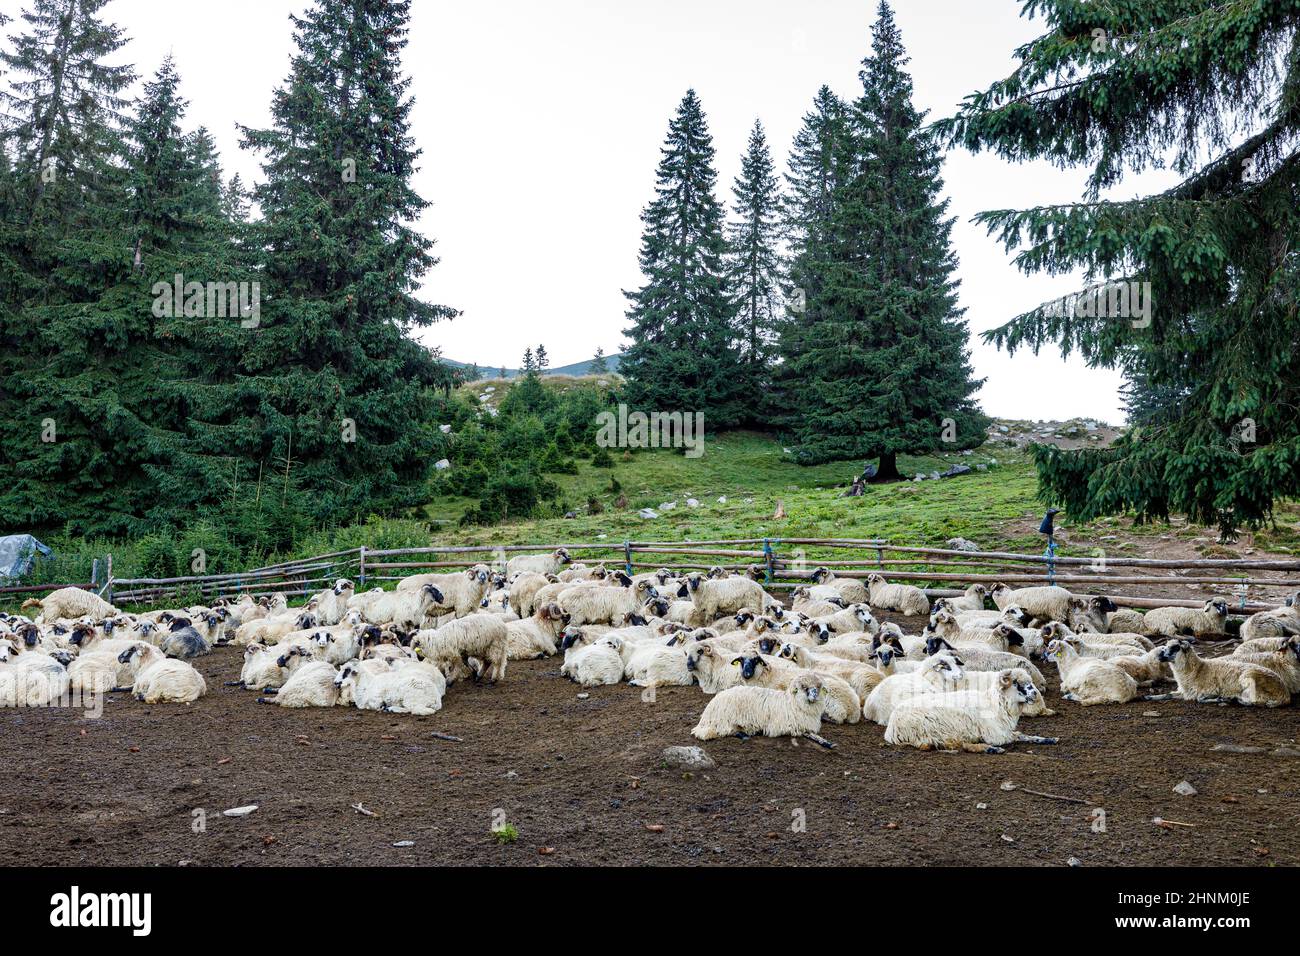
(767, 553)
(1051, 559)
(627, 556)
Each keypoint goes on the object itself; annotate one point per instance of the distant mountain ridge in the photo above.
(577, 368)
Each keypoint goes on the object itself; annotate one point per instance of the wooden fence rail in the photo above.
(782, 562)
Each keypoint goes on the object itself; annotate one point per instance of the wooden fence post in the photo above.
(361, 570)
(627, 556)
(767, 551)
(108, 578)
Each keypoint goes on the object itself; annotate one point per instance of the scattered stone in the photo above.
(1007, 839)
(545, 850)
(689, 758)
(239, 811)
(401, 844)
(722, 499)
(655, 827)
(668, 506)
(583, 696)
(1285, 752)
(981, 806)
(692, 502)
(1236, 749)
(648, 513)
(511, 774)
(1150, 713)
(1074, 861)
(1185, 789)
(961, 544)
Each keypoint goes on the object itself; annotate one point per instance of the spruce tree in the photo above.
(1213, 92)
(598, 364)
(754, 264)
(342, 393)
(881, 363)
(683, 354)
(64, 438)
(815, 163)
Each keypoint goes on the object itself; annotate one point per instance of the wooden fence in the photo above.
(783, 563)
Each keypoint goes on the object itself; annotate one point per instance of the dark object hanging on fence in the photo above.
(1047, 527)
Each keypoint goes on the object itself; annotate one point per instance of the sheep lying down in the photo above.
(976, 721)
(744, 711)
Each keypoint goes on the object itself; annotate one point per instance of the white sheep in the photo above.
(588, 604)
(524, 588)
(843, 705)
(1125, 620)
(551, 563)
(160, 679)
(1044, 603)
(974, 721)
(795, 711)
(977, 658)
(658, 665)
(482, 637)
(268, 630)
(69, 603)
(592, 663)
(850, 590)
(1090, 680)
(32, 678)
(972, 600)
(936, 674)
(398, 688)
(1279, 622)
(718, 597)
(461, 592)
(1285, 662)
(332, 603)
(402, 609)
(861, 676)
(1187, 621)
(311, 685)
(1211, 680)
(536, 636)
(903, 598)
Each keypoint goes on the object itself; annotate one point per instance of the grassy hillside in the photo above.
(753, 474)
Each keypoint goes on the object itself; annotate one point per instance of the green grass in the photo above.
(752, 472)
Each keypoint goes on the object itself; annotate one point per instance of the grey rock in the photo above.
(689, 758)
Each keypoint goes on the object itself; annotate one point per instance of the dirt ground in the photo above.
(585, 779)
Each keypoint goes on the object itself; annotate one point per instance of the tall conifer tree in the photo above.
(683, 354)
(332, 360)
(882, 361)
(1166, 82)
(755, 267)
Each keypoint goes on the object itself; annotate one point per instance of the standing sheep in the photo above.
(68, 603)
(720, 597)
(1046, 603)
(461, 592)
(903, 598)
(524, 588)
(1187, 621)
(551, 563)
(480, 636)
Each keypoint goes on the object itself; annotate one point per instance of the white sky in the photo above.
(541, 124)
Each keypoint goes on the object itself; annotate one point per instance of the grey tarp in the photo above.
(17, 553)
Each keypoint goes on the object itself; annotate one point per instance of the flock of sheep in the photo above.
(962, 681)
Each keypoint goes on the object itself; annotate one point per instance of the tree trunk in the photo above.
(888, 468)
